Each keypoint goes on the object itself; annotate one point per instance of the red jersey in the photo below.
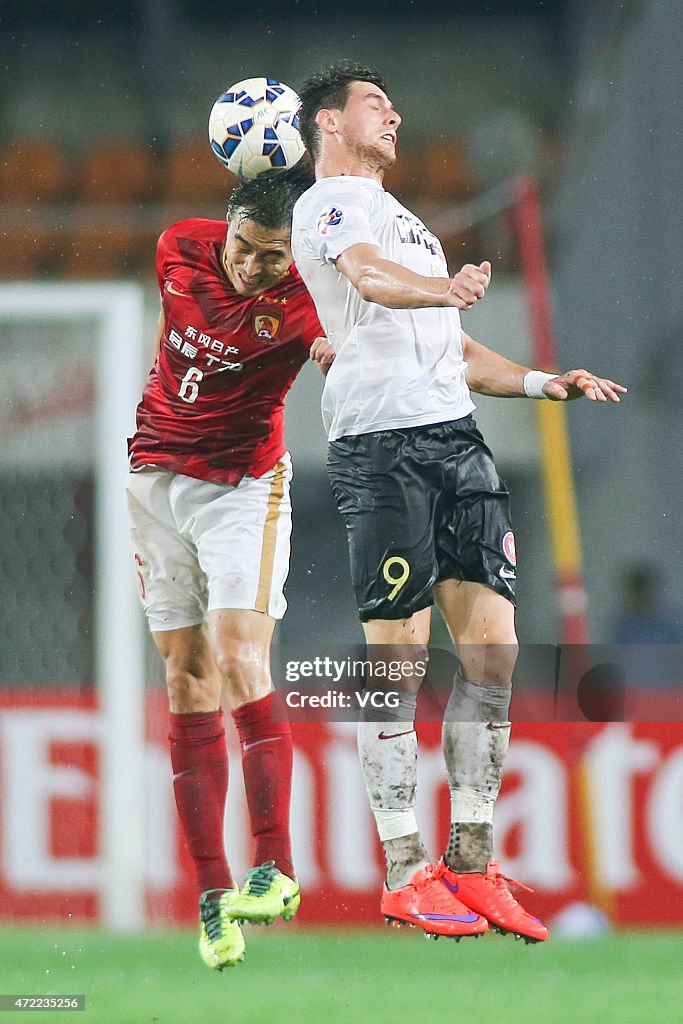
(213, 406)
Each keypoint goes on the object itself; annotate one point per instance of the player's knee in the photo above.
(232, 663)
(499, 663)
(491, 663)
(188, 693)
(191, 682)
(244, 673)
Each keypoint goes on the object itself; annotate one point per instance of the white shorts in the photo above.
(199, 546)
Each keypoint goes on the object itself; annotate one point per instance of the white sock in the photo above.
(388, 756)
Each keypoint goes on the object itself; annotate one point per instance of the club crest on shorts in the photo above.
(266, 323)
(331, 218)
(508, 546)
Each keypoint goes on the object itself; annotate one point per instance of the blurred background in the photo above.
(103, 112)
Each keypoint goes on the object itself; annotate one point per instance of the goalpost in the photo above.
(115, 315)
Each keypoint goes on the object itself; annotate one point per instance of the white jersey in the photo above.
(393, 367)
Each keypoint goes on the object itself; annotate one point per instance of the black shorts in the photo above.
(421, 504)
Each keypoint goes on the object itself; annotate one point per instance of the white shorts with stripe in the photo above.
(199, 546)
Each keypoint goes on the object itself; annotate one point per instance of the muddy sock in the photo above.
(388, 756)
(403, 856)
(475, 739)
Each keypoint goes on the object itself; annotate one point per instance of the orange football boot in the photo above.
(428, 902)
(488, 894)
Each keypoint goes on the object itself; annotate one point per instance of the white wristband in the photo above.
(534, 381)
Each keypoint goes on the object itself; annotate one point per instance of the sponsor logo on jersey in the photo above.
(266, 323)
(413, 232)
(331, 218)
(206, 341)
(508, 545)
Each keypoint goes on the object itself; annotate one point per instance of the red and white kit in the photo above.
(212, 410)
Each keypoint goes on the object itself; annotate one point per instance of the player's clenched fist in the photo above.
(322, 354)
(468, 285)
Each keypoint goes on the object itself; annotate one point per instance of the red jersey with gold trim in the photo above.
(213, 406)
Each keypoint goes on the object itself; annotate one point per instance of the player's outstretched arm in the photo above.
(489, 373)
(322, 354)
(565, 387)
(380, 280)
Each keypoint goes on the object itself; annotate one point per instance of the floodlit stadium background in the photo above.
(102, 145)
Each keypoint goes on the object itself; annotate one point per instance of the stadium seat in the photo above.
(119, 171)
(32, 170)
(194, 176)
(24, 250)
(447, 174)
(104, 248)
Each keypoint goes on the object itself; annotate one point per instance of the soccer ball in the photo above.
(253, 127)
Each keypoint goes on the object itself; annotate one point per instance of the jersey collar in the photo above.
(370, 182)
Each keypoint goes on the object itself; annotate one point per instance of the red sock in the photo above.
(199, 758)
(266, 742)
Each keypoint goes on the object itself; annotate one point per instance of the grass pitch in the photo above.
(292, 976)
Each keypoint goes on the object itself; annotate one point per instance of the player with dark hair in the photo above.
(330, 88)
(208, 497)
(426, 513)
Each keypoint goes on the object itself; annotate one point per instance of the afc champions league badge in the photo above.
(330, 218)
(266, 323)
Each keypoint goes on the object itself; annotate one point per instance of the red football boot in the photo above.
(428, 902)
(488, 894)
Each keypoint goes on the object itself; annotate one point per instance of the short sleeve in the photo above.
(312, 327)
(340, 219)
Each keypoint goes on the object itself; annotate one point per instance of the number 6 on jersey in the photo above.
(189, 385)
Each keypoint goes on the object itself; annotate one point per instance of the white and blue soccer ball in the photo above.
(254, 127)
